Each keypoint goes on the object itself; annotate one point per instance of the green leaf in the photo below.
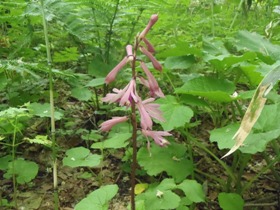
(230, 201)
(96, 82)
(214, 89)
(81, 156)
(4, 162)
(119, 140)
(193, 190)
(160, 196)
(98, 199)
(171, 159)
(257, 43)
(175, 114)
(43, 110)
(179, 62)
(81, 93)
(24, 170)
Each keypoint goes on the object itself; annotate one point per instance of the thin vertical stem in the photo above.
(48, 51)
(236, 14)
(134, 132)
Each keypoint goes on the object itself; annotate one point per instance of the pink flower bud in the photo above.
(129, 52)
(154, 61)
(107, 125)
(149, 46)
(152, 21)
(113, 73)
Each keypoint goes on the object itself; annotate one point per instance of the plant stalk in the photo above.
(134, 132)
(49, 61)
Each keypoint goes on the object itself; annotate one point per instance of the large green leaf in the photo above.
(160, 196)
(192, 190)
(172, 159)
(257, 43)
(214, 89)
(43, 110)
(119, 140)
(179, 62)
(24, 170)
(174, 113)
(230, 201)
(81, 93)
(81, 156)
(98, 199)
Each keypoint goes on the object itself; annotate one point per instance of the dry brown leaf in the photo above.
(251, 116)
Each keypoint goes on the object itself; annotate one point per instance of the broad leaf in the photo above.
(81, 156)
(160, 196)
(193, 190)
(98, 199)
(175, 114)
(24, 170)
(230, 201)
(172, 159)
(81, 93)
(119, 140)
(214, 89)
(179, 62)
(43, 110)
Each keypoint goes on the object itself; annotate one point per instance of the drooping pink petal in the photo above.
(122, 96)
(153, 109)
(154, 61)
(129, 94)
(149, 46)
(157, 136)
(152, 83)
(152, 21)
(107, 125)
(113, 73)
(146, 121)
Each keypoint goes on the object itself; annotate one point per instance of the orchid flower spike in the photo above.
(152, 21)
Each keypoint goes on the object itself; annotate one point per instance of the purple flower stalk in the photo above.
(147, 110)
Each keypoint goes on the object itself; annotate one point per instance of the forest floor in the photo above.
(263, 195)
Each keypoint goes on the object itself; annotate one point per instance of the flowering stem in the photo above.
(134, 132)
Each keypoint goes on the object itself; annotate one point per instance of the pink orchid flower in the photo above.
(146, 121)
(157, 136)
(152, 83)
(153, 109)
(154, 61)
(107, 125)
(123, 96)
(113, 73)
(152, 21)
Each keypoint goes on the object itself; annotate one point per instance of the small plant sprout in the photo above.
(129, 97)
